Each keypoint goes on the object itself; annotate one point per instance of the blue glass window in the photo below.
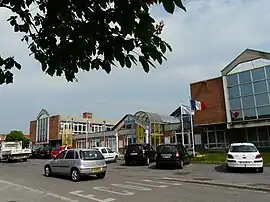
(260, 86)
(245, 77)
(258, 74)
(233, 91)
(246, 89)
(235, 103)
(263, 112)
(249, 114)
(262, 99)
(248, 101)
(232, 80)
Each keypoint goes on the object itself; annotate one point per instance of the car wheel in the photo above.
(47, 171)
(75, 175)
(25, 159)
(101, 175)
(181, 165)
(260, 170)
(147, 162)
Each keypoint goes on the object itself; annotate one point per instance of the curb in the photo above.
(236, 186)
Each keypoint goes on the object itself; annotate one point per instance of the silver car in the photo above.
(77, 163)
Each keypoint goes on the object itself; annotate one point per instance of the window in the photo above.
(262, 99)
(258, 74)
(110, 150)
(249, 114)
(61, 155)
(263, 134)
(216, 139)
(235, 103)
(243, 148)
(263, 112)
(70, 154)
(233, 91)
(260, 87)
(248, 102)
(104, 151)
(91, 155)
(246, 89)
(232, 80)
(244, 77)
(252, 134)
(267, 71)
(76, 155)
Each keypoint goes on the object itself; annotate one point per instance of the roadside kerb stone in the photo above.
(219, 184)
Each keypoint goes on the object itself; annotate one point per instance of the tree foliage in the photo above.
(15, 135)
(71, 35)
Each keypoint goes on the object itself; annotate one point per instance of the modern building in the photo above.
(56, 130)
(142, 127)
(237, 103)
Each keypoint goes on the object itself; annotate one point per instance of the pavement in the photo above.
(24, 182)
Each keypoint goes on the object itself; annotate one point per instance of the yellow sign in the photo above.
(67, 137)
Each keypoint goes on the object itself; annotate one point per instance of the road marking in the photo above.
(39, 191)
(148, 185)
(90, 196)
(158, 182)
(123, 193)
(6, 187)
(132, 187)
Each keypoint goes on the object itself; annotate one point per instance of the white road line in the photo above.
(91, 197)
(39, 191)
(158, 182)
(126, 186)
(123, 193)
(148, 185)
(6, 187)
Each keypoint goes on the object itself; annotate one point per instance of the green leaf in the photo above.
(17, 65)
(16, 28)
(162, 47)
(168, 46)
(144, 63)
(128, 63)
(169, 6)
(180, 4)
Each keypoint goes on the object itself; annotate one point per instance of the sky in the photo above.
(204, 40)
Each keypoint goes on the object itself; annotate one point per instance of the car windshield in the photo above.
(110, 150)
(243, 148)
(135, 147)
(166, 149)
(91, 155)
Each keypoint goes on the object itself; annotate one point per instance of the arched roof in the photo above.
(150, 117)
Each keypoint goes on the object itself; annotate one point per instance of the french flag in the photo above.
(197, 105)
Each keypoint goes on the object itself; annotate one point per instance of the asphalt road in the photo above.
(24, 182)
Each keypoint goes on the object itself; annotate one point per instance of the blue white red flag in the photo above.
(197, 105)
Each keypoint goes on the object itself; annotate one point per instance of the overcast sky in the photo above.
(204, 40)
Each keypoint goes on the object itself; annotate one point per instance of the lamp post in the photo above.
(104, 133)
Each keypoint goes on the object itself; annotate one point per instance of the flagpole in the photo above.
(182, 126)
(191, 126)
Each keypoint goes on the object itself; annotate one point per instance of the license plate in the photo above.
(245, 162)
(95, 169)
(166, 157)
(133, 154)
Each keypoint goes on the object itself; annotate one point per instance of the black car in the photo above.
(172, 154)
(139, 153)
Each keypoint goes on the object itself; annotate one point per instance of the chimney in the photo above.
(87, 115)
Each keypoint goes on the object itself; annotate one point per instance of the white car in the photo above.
(244, 155)
(109, 154)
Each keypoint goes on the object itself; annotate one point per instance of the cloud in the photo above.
(204, 40)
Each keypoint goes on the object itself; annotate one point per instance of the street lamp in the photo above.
(104, 134)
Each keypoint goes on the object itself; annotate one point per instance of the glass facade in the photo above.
(249, 94)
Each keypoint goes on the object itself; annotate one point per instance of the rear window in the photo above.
(91, 155)
(134, 147)
(166, 149)
(243, 148)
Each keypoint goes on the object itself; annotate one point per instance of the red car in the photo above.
(56, 151)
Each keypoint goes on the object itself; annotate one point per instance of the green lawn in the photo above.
(221, 158)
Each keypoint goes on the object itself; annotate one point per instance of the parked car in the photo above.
(109, 154)
(55, 152)
(45, 152)
(77, 163)
(139, 153)
(172, 154)
(35, 151)
(244, 155)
